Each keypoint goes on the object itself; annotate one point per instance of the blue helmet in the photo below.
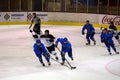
(38, 41)
(65, 39)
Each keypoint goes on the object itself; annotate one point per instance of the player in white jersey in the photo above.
(114, 31)
(48, 41)
(37, 26)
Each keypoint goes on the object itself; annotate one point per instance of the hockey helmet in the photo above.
(65, 39)
(87, 21)
(47, 31)
(38, 41)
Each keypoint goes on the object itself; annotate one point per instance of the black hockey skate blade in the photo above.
(73, 67)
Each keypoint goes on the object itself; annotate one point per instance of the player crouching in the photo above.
(66, 48)
(40, 50)
(90, 32)
(106, 38)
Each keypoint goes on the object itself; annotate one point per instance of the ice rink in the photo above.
(18, 61)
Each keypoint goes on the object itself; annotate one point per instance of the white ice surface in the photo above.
(18, 62)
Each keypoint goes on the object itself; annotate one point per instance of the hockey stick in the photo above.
(67, 60)
(59, 62)
(56, 60)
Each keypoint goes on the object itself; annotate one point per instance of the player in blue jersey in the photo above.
(40, 50)
(90, 32)
(66, 48)
(106, 38)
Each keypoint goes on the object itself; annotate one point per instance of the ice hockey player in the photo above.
(114, 31)
(66, 48)
(106, 38)
(90, 32)
(48, 40)
(37, 26)
(40, 51)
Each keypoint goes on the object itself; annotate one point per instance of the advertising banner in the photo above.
(5, 17)
(18, 16)
(106, 19)
(42, 15)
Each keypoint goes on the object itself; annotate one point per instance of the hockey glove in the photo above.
(56, 44)
(31, 31)
(118, 33)
(83, 33)
(35, 36)
(102, 41)
(117, 37)
(93, 32)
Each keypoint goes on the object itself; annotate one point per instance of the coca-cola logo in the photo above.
(107, 19)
